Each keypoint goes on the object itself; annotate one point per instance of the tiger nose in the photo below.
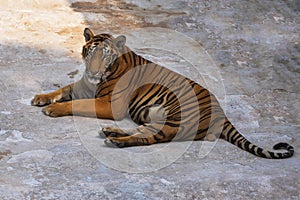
(96, 73)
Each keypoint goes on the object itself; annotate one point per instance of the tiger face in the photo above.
(100, 54)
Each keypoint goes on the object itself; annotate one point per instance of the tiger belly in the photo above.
(149, 114)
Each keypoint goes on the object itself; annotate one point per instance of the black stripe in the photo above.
(202, 131)
(159, 133)
(169, 123)
(130, 55)
(229, 133)
(135, 104)
(127, 90)
(260, 153)
(235, 137)
(134, 59)
(124, 58)
(147, 141)
(273, 155)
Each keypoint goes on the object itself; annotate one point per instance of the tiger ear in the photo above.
(88, 34)
(120, 41)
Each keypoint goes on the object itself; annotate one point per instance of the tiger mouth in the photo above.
(95, 79)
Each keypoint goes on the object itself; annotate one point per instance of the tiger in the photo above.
(165, 105)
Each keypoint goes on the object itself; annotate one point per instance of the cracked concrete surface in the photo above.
(254, 45)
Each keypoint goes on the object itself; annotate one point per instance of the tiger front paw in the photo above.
(57, 110)
(41, 100)
(112, 132)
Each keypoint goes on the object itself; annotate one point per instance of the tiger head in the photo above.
(100, 54)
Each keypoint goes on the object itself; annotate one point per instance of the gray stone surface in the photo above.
(256, 51)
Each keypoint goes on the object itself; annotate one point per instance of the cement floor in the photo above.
(250, 55)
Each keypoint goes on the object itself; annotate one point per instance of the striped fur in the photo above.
(166, 105)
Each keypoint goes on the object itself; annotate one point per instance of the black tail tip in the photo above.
(286, 146)
(281, 145)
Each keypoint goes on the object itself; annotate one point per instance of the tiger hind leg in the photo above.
(143, 135)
